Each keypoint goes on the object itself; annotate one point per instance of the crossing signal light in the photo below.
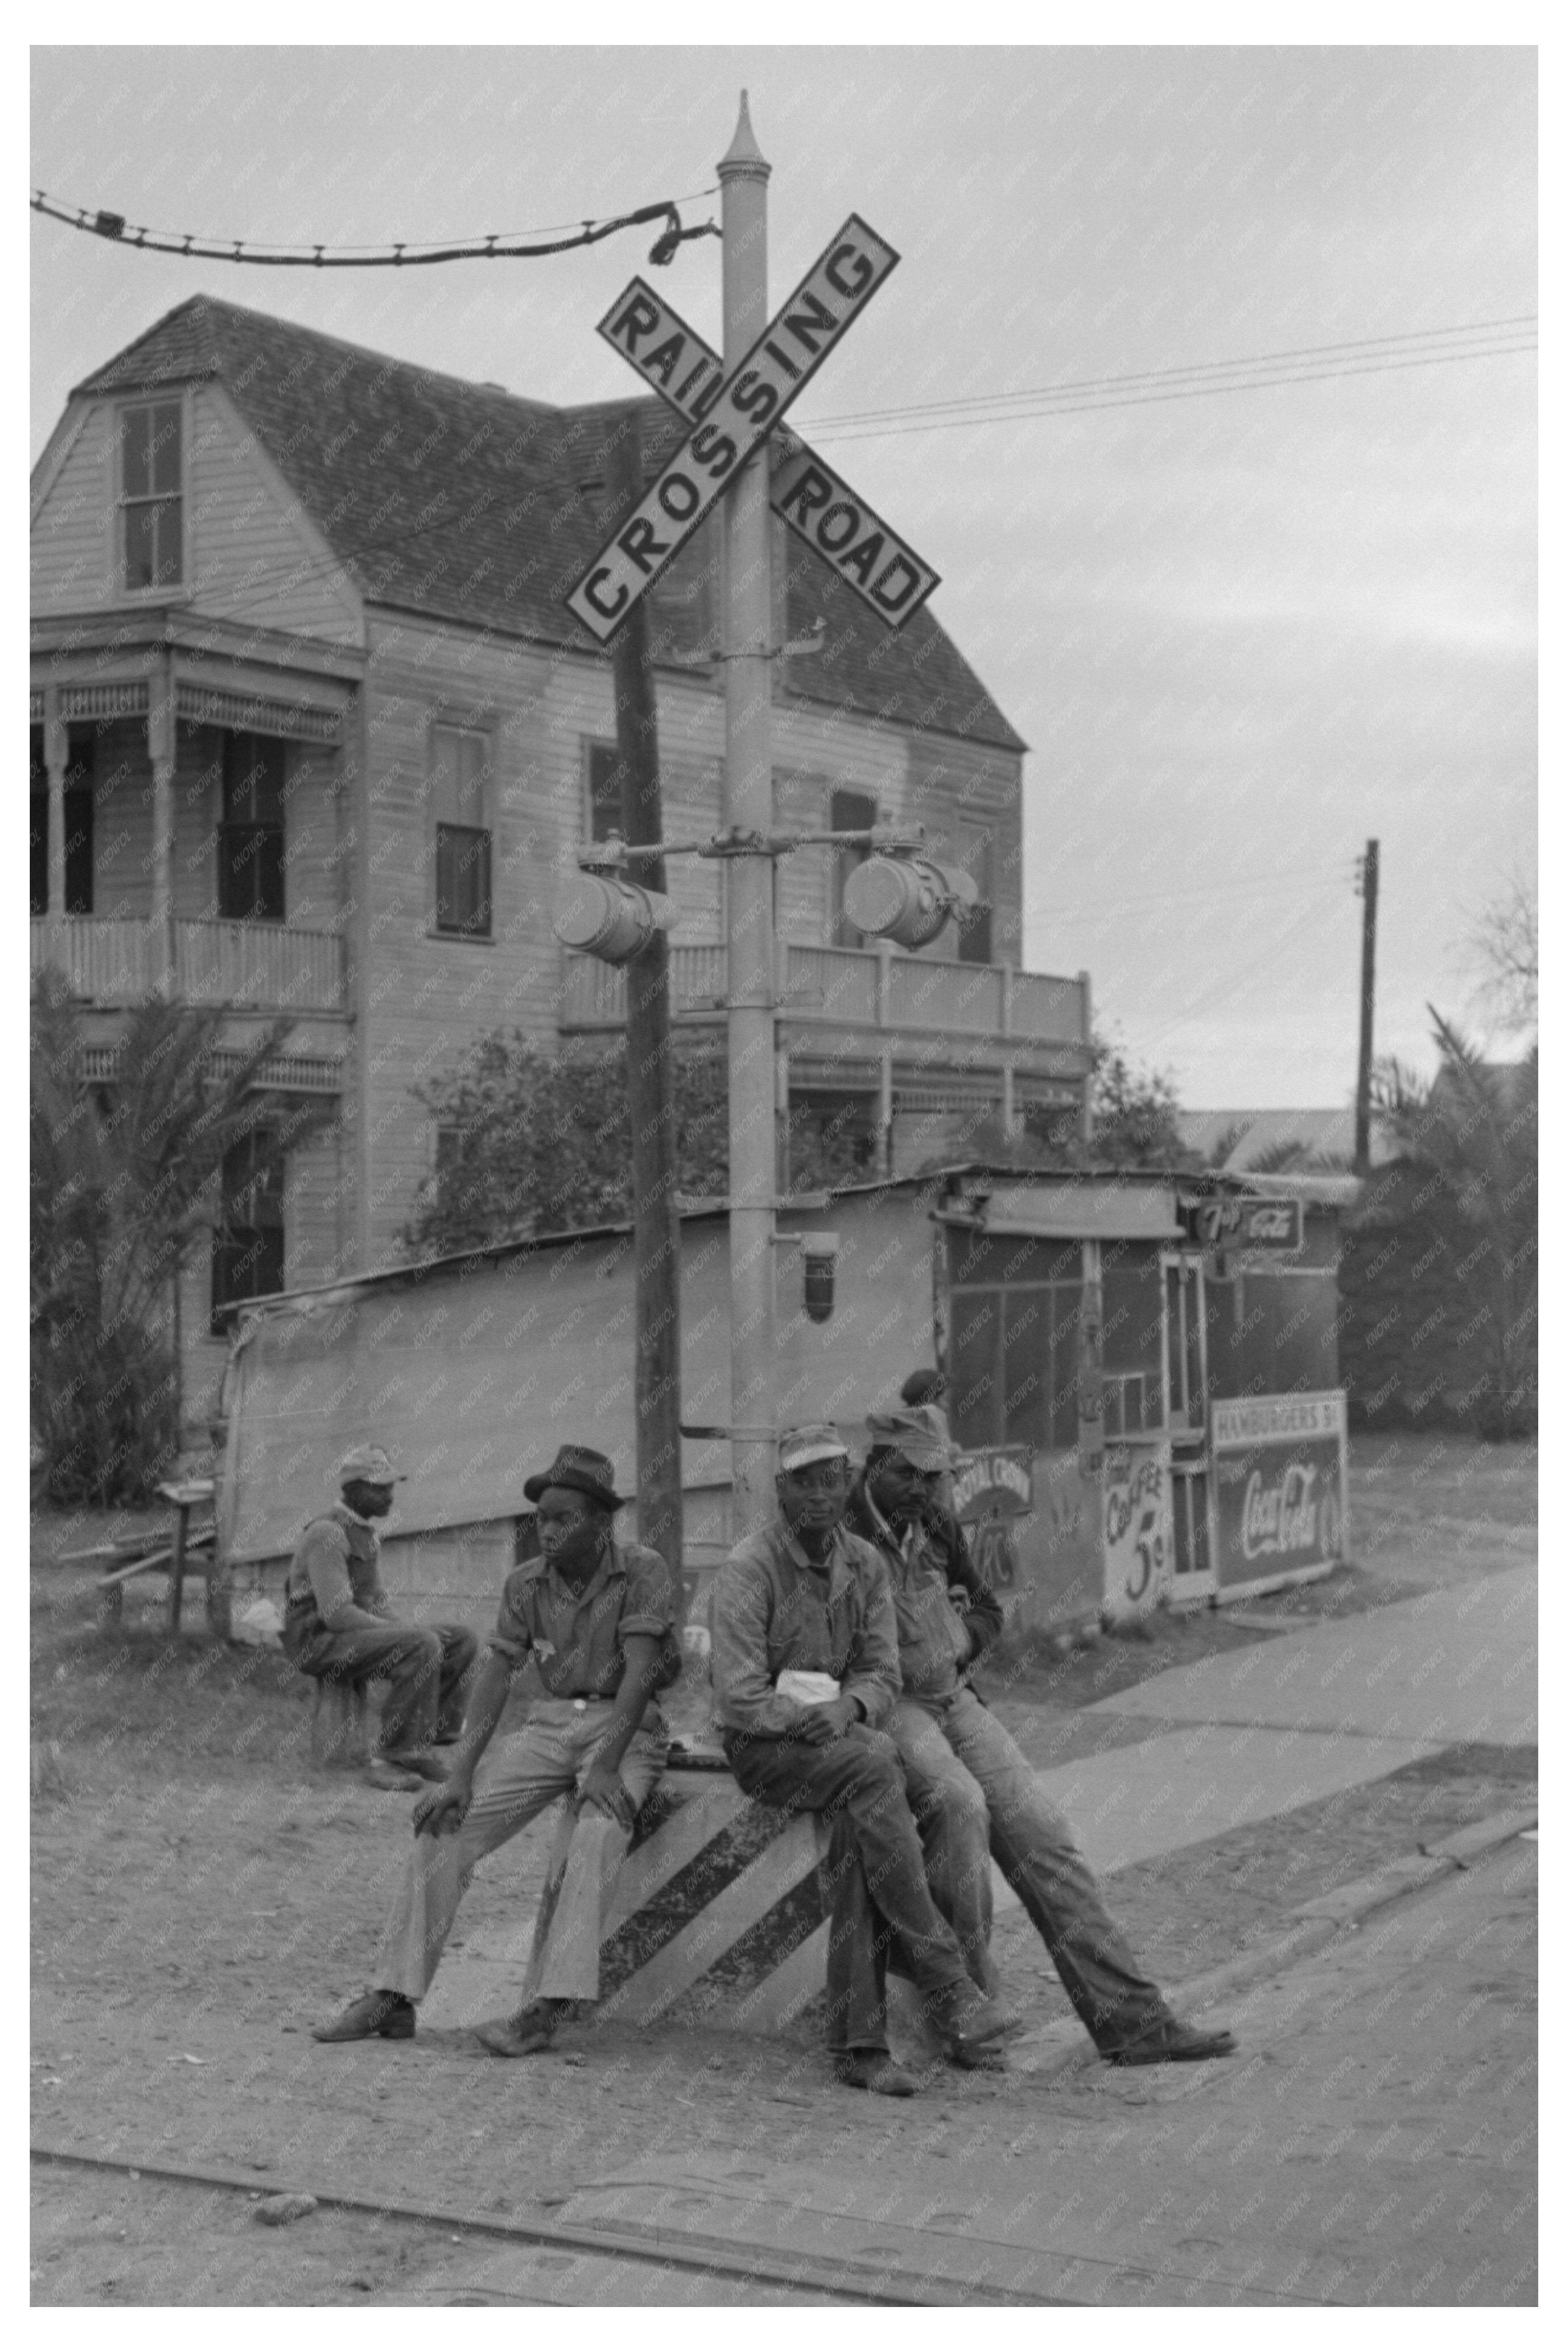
(906, 899)
(600, 915)
(819, 1260)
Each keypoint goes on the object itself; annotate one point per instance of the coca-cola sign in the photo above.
(1229, 1221)
(1278, 1487)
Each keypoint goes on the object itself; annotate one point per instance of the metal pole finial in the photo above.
(745, 160)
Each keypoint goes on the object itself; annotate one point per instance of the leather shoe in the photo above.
(382, 1773)
(531, 2030)
(874, 2070)
(971, 2020)
(1170, 2042)
(388, 2014)
(417, 1760)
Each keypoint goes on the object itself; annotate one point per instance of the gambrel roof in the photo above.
(467, 503)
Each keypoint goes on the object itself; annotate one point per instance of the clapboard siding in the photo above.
(72, 547)
(251, 554)
(952, 783)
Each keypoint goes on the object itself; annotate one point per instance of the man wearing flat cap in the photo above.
(973, 1787)
(339, 1627)
(600, 1620)
(805, 1673)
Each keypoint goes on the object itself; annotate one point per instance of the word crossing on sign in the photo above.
(748, 404)
(867, 554)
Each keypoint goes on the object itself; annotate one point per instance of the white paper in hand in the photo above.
(810, 1689)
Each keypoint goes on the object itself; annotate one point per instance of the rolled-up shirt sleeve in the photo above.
(652, 1604)
(873, 1676)
(738, 1618)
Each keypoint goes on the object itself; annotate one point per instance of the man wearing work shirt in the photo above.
(339, 1627)
(599, 1619)
(805, 1671)
(971, 1785)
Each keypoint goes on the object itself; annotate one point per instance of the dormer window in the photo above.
(150, 500)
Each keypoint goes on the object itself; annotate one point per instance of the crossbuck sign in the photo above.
(732, 416)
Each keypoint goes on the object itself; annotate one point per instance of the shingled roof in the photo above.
(464, 503)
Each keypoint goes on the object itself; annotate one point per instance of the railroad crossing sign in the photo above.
(817, 503)
(735, 415)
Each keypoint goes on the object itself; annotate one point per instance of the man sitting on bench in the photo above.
(599, 1618)
(969, 1781)
(806, 1672)
(339, 1627)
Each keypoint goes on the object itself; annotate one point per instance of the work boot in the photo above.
(378, 2012)
(381, 1773)
(968, 2020)
(874, 2070)
(522, 2036)
(1170, 2042)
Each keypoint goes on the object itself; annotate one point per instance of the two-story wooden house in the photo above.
(313, 731)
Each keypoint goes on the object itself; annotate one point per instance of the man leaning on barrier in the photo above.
(600, 1621)
(971, 1785)
(805, 1671)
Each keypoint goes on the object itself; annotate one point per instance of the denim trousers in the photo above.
(978, 1798)
(874, 1879)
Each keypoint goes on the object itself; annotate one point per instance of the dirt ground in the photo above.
(201, 1894)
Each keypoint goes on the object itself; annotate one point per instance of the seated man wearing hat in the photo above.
(338, 1626)
(805, 1669)
(599, 1618)
(971, 1783)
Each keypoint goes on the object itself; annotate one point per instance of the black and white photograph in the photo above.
(783, 970)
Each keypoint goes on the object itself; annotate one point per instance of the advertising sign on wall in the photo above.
(1278, 1487)
(1137, 1536)
(990, 1490)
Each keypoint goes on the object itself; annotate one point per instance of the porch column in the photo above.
(161, 751)
(884, 1162)
(1007, 1111)
(55, 750)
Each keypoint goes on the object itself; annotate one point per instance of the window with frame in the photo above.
(248, 1247)
(604, 770)
(250, 865)
(459, 780)
(151, 502)
(847, 813)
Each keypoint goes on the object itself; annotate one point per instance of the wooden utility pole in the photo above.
(1368, 959)
(650, 1076)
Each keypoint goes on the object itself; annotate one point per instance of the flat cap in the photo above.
(371, 1462)
(916, 1432)
(814, 1441)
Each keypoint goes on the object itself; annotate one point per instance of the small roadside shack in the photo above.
(1142, 1368)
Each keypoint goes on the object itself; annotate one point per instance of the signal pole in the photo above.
(746, 642)
(1368, 957)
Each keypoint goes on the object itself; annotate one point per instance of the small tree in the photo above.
(1473, 1133)
(531, 1143)
(122, 1176)
(1506, 945)
(1134, 1118)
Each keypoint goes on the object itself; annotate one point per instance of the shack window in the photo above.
(459, 785)
(1014, 1351)
(1131, 1328)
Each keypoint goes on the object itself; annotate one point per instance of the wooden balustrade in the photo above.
(111, 961)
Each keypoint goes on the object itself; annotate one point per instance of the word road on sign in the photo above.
(818, 504)
(748, 404)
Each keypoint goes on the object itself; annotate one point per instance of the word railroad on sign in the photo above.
(732, 416)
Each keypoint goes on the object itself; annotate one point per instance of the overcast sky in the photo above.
(1241, 631)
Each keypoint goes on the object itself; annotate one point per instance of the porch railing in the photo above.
(115, 961)
(854, 988)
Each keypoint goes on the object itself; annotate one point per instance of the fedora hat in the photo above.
(582, 1470)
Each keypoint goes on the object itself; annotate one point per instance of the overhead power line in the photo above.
(499, 246)
(1309, 364)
